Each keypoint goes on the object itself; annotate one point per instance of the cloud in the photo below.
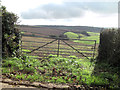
(103, 7)
(53, 11)
(68, 10)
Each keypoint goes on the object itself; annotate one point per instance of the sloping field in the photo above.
(75, 29)
(42, 30)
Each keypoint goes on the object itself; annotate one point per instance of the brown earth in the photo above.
(8, 84)
(42, 31)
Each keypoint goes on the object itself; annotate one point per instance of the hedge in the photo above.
(11, 37)
(109, 47)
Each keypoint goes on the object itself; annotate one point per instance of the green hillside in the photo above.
(93, 36)
(71, 35)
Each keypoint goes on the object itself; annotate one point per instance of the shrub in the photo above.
(84, 33)
(10, 34)
(109, 47)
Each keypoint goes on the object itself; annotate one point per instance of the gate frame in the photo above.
(63, 40)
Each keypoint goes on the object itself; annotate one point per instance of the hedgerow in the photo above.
(11, 37)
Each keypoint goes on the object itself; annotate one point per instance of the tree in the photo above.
(10, 34)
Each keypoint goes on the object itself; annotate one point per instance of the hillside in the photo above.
(42, 31)
(75, 29)
(47, 30)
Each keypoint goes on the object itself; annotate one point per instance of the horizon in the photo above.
(69, 25)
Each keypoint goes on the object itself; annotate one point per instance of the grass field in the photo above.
(71, 35)
(93, 36)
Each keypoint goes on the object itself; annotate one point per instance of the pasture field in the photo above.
(93, 36)
(71, 35)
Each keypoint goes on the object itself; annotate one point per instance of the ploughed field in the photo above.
(41, 31)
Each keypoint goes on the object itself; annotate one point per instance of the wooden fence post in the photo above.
(58, 47)
(94, 49)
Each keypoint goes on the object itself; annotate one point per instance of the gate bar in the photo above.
(76, 49)
(58, 47)
(42, 46)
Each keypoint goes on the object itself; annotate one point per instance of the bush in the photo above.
(10, 34)
(84, 33)
(109, 47)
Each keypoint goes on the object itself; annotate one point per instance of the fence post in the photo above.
(58, 47)
(94, 49)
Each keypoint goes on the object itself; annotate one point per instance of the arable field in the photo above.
(41, 30)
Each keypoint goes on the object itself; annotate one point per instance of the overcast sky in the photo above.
(97, 13)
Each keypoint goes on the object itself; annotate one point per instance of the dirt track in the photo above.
(11, 87)
(8, 84)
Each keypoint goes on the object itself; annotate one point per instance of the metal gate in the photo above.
(60, 46)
